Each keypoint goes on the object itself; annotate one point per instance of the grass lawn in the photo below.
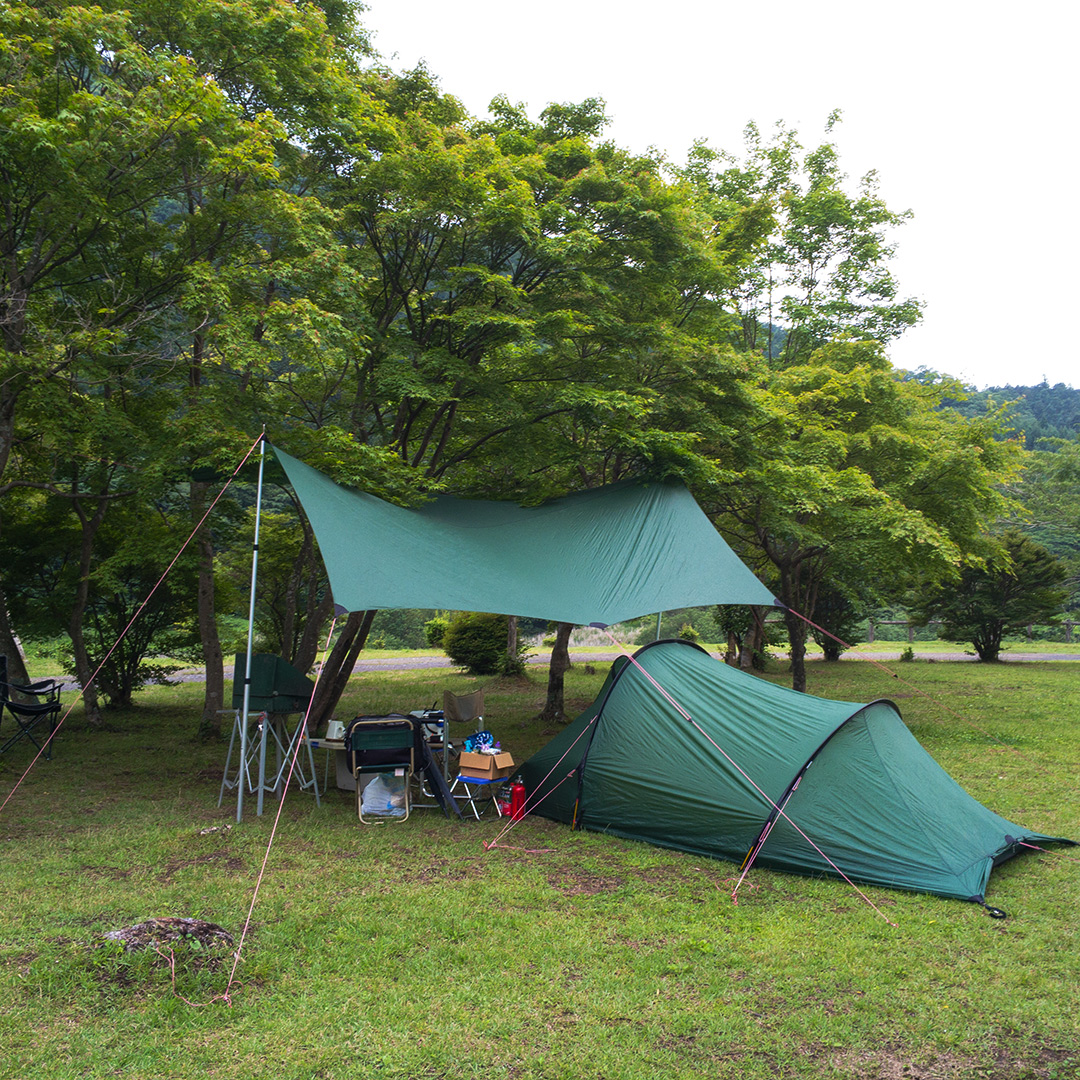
(412, 951)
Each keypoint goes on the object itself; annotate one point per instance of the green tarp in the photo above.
(596, 556)
(872, 799)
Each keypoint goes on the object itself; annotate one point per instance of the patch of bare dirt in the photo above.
(573, 882)
(894, 1063)
(891, 1064)
(222, 859)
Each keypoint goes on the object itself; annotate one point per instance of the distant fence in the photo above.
(1067, 626)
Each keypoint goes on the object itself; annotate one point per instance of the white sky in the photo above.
(967, 110)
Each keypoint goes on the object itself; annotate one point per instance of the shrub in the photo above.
(512, 667)
(435, 631)
(477, 642)
(700, 621)
(399, 628)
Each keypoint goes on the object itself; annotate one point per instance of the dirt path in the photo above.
(583, 656)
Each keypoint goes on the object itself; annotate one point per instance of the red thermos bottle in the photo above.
(517, 801)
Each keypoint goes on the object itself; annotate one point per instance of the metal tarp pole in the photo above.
(250, 636)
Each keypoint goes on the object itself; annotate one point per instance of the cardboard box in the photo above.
(486, 766)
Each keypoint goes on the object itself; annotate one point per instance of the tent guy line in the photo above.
(881, 810)
(138, 612)
(777, 810)
(512, 822)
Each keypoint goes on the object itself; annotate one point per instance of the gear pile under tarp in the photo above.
(861, 787)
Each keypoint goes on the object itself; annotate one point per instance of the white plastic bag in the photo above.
(384, 796)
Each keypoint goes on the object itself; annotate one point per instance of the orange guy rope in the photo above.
(277, 818)
(779, 810)
(131, 623)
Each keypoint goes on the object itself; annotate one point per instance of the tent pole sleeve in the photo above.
(250, 637)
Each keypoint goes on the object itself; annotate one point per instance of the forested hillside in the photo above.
(220, 219)
(1037, 412)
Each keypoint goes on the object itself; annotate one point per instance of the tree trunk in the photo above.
(752, 648)
(746, 647)
(988, 643)
(796, 629)
(338, 666)
(9, 392)
(214, 696)
(798, 591)
(9, 645)
(554, 707)
(83, 672)
(511, 638)
(732, 652)
(311, 639)
(83, 667)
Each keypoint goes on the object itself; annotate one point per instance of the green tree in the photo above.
(1049, 491)
(91, 126)
(849, 475)
(1019, 584)
(476, 641)
(90, 574)
(543, 310)
(821, 255)
(154, 180)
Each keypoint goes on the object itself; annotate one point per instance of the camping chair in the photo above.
(473, 787)
(460, 709)
(29, 715)
(381, 746)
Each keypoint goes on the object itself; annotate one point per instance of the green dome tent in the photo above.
(684, 751)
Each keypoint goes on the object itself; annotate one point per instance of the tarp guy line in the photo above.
(912, 686)
(277, 817)
(138, 612)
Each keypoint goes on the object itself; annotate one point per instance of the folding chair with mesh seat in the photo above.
(30, 715)
(464, 708)
(460, 709)
(381, 746)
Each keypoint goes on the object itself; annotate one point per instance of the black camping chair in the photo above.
(30, 715)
